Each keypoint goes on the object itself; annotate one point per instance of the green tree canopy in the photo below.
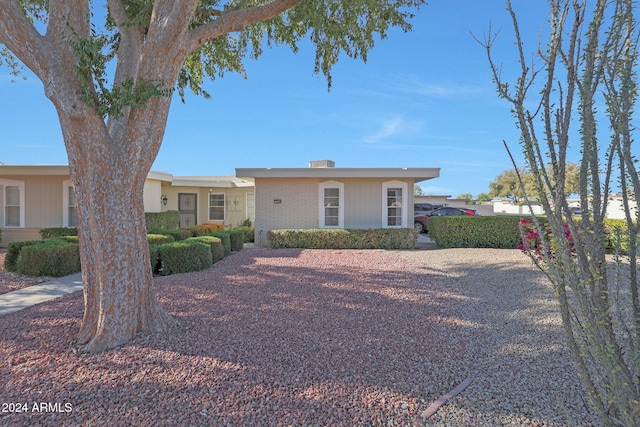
(508, 185)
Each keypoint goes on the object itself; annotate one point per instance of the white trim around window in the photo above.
(69, 210)
(217, 207)
(10, 203)
(331, 204)
(394, 204)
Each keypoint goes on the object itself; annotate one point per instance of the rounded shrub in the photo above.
(217, 251)
(225, 238)
(184, 257)
(13, 252)
(178, 234)
(160, 239)
(53, 257)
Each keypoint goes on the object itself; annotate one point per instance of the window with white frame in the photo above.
(12, 206)
(331, 203)
(394, 198)
(69, 210)
(216, 206)
(12, 203)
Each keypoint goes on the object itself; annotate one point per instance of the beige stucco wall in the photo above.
(152, 195)
(42, 198)
(299, 204)
(235, 202)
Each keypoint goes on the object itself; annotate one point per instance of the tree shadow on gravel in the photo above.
(290, 337)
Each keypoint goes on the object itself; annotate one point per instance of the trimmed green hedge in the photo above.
(381, 238)
(13, 252)
(236, 238)
(225, 238)
(177, 234)
(197, 230)
(47, 233)
(154, 258)
(160, 239)
(53, 257)
(249, 233)
(184, 257)
(217, 250)
(161, 221)
(501, 232)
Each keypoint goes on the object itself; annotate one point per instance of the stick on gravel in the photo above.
(444, 398)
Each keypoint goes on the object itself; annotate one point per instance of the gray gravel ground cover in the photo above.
(311, 337)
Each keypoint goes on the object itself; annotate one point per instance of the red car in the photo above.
(420, 221)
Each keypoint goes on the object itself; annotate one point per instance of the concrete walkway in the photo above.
(22, 298)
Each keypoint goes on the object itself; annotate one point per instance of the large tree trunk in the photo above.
(116, 270)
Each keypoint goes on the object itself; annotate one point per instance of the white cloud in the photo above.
(394, 127)
(414, 85)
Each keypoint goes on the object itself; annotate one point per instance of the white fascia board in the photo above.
(160, 176)
(211, 181)
(418, 174)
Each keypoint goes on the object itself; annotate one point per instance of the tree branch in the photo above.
(237, 20)
(21, 37)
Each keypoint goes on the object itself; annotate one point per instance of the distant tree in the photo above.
(467, 196)
(110, 73)
(484, 197)
(508, 185)
(586, 77)
(417, 190)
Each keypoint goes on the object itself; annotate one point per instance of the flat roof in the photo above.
(228, 181)
(417, 174)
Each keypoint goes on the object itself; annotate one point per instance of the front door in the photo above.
(188, 207)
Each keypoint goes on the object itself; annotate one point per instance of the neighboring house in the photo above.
(323, 196)
(615, 207)
(441, 201)
(35, 197)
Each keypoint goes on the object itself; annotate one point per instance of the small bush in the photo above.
(54, 257)
(613, 227)
(382, 238)
(212, 227)
(160, 239)
(225, 238)
(249, 234)
(236, 238)
(158, 222)
(178, 234)
(154, 258)
(217, 250)
(47, 233)
(197, 230)
(184, 257)
(13, 252)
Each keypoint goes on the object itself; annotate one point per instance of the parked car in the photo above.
(422, 208)
(420, 221)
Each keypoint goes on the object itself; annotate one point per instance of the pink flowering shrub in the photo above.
(532, 244)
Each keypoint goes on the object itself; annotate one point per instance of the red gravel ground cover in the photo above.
(265, 337)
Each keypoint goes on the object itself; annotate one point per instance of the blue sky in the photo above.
(423, 99)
